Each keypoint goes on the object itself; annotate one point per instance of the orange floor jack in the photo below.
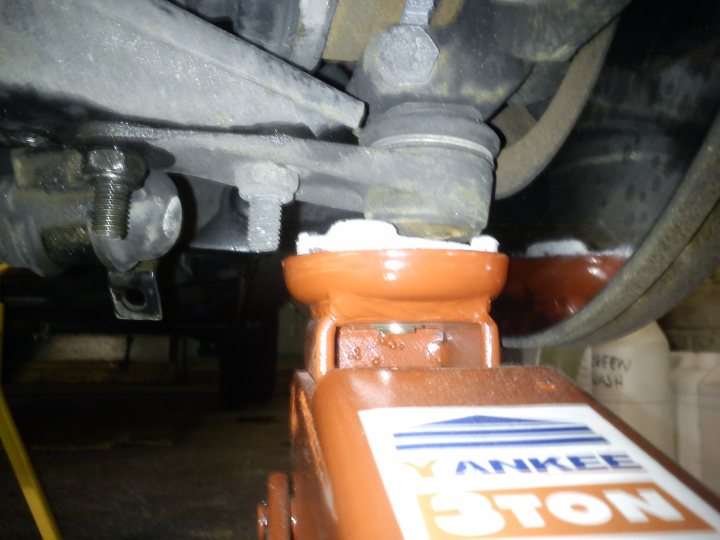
(405, 425)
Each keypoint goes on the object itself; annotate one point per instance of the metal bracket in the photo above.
(135, 294)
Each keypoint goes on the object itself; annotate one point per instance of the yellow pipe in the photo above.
(20, 461)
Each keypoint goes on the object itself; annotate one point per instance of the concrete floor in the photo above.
(141, 465)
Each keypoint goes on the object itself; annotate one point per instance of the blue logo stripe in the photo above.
(489, 444)
(489, 420)
(490, 432)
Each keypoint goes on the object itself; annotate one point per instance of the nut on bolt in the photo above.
(114, 174)
(266, 187)
(402, 54)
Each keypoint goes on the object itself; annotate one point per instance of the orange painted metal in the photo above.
(274, 521)
(543, 291)
(313, 501)
(431, 345)
(436, 356)
(354, 296)
(339, 493)
(386, 286)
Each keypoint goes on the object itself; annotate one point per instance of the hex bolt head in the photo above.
(403, 55)
(115, 175)
(266, 187)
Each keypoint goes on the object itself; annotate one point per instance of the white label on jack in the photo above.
(551, 471)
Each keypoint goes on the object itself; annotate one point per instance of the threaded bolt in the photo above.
(111, 213)
(266, 187)
(264, 219)
(114, 175)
